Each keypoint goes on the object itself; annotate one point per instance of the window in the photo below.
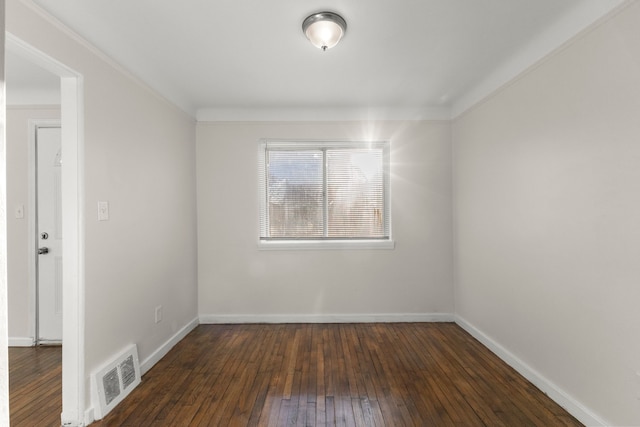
(324, 194)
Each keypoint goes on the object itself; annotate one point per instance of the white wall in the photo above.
(4, 333)
(21, 310)
(547, 219)
(139, 156)
(237, 282)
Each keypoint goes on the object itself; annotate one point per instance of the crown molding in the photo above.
(321, 114)
(30, 97)
(585, 17)
(31, 107)
(180, 104)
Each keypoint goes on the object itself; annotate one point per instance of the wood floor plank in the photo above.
(376, 375)
(35, 386)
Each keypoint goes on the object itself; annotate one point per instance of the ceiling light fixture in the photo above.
(324, 29)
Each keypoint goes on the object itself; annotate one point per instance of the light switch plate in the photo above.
(19, 211)
(103, 211)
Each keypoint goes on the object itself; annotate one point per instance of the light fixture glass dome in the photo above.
(324, 29)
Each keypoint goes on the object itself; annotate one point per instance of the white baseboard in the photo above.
(89, 416)
(21, 342)
(571, 405)
(155, 357)
(73, 424)
(325, 318)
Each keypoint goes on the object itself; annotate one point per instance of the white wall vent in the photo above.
(115, 381)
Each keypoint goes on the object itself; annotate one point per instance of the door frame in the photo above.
(73, 228)
(32, 232)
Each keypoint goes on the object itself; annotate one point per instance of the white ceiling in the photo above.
(219, 59)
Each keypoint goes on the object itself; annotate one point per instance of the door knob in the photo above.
(42, 251)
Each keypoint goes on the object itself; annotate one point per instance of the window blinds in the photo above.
(324, 191)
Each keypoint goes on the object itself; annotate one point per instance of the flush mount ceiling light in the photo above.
(324, 29)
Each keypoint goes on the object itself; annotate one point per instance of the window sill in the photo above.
(325, 245)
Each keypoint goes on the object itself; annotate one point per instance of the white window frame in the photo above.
(303, 244)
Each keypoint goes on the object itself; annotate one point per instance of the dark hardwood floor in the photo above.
(339, 374)
(35, 386)
(413, 374)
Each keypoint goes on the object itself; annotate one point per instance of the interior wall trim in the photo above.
(251, 114)
(21, 342)
(147, 363)
(562, 398)
(180, 105)
(326, 318)
(586, 17)
(155, 357)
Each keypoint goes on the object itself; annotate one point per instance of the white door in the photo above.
(49, 233)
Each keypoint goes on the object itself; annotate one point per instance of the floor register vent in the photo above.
(116, 380)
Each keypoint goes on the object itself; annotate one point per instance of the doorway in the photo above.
(72, 207)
